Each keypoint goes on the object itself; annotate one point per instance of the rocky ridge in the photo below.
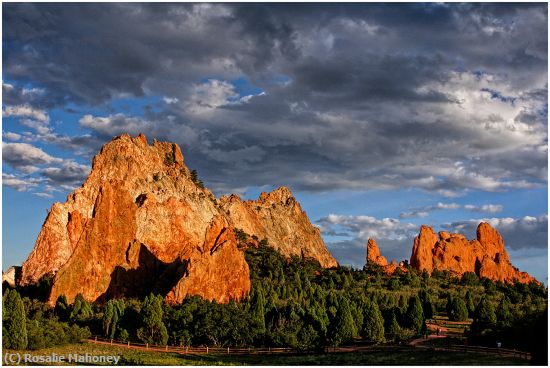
(141, 223)
(485, 255)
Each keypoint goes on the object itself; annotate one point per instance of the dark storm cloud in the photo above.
(443, 97)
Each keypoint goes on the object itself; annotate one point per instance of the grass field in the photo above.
(397, 356)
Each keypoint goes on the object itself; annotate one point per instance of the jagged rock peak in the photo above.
(485, 255)
(279, 195)
(142, 223)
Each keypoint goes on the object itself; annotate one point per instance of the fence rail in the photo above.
(190, 349)
(269, 350)
(480, 349)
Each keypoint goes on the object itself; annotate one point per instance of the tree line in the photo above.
(293, 303)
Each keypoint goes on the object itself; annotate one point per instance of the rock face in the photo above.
(140, 223)
(278, 217)
(373, 254)
(9, 276)
(484, 255)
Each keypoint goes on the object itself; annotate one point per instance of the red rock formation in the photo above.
(374, 257)
(373, 254)
(484, 256)
(139, 223)
(278, 217)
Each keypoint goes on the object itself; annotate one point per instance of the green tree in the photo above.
(112, 313)
(485, 315)
(503, 311)
(258, 303)
(394, 329)
(14, 321)
(427, 305)
(415, 314)
(62, 308)
(469, 300)
(195, 179)
(153, 330)
(82, 310)
(456, 309)
(343, 328)
(373, 323)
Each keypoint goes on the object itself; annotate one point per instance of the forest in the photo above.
(293, 303)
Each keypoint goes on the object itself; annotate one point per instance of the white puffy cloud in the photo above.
(115, 124)
(25, 111)
(11, 136)
(21, 155)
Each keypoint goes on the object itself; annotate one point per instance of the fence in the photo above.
(511, 353)
(269, 350)
(190, 349)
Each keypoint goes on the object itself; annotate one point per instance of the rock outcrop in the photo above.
(278, 217)
(142, 223)
(373, 254)
(374, 257)
(485, 255)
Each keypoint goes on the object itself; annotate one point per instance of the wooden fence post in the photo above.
(186, 349)
(166, 349)
(228, 350)
(128, 343)
(95, 342)
(147, 346)
(207, 350)
(111, 341)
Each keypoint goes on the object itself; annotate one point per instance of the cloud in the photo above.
(20, 184)
(425, 210)
(115, 124)
(10, 136)
(393, 237)
(24, 155)
(447, 98)
(488, 208)
(25, 111)
(69, 173)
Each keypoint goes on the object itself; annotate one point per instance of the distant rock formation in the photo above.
(374, 257)
(373, 254)
(485, 255)
(141, 222)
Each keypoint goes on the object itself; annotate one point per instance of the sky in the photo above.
(379, 117)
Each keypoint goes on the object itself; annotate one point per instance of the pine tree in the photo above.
(373, 323)
(393, 327)
(456, 309)
(485, 315)
(343, 328)
(415, 314)
(427, 305)
(503, 310)
(14, 321)
(258, 303)
(469, 299)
